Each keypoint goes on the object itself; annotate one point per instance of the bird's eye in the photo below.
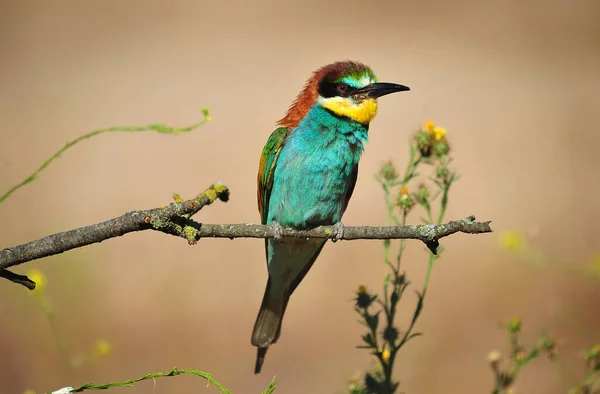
(342, 88)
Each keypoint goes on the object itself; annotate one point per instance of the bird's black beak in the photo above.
(380, 89)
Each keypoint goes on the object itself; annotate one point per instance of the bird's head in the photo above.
(348, 89)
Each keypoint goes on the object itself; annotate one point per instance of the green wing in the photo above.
(266, 169)
(352, 183)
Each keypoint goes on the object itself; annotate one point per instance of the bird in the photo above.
(307, 173)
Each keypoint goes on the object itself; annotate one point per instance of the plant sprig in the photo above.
(428, 146)
(505, 373)
(174, 372)
(159, 128)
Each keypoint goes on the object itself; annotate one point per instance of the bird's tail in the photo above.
(268, 323)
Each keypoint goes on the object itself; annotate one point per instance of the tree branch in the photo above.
(172, 219)
(175, 220)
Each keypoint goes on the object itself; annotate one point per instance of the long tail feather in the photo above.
(261, 352)
(268, 323)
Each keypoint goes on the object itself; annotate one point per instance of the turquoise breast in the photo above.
(314, 170)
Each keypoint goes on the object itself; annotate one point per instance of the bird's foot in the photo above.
(338, 232)
(278, 229)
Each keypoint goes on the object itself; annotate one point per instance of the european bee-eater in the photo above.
(306, 175)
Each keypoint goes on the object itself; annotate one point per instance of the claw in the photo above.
(338, 231)
(278, 229)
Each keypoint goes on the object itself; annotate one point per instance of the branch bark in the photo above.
(175, 219)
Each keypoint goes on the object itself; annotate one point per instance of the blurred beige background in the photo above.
(515, 83)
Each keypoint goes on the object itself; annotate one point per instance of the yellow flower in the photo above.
(595, 265)
(385, 355)
(512, 241)
(405, 200)
(515, 324)
(362, 289)
(103, 348)
(28, 391)
(39, 278)
(439, 133)
(429, 125)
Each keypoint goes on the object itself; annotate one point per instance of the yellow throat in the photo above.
(362, 112)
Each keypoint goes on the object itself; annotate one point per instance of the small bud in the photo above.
(363, 298)
(388, 172)
(377, 370)
(422, 195)
(423, 142)
(593, 358)
(401, 278)
(494, 358)
(515, 325)
(594, 352)
(442, 173)
(441, 148)
(547, 345)
(405, 201)
(390, 334)
(354, 387)
(206, 114)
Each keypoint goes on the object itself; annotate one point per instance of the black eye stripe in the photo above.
(330, 89)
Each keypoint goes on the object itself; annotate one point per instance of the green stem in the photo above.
(55, 332)
(532, 355)
(173, 372)
(154, 127)
(429, 214)
(446, 188)
(444, 203)
(401, 249)
(432, 258)
(390, 207)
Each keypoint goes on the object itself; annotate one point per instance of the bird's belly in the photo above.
(309, 192)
